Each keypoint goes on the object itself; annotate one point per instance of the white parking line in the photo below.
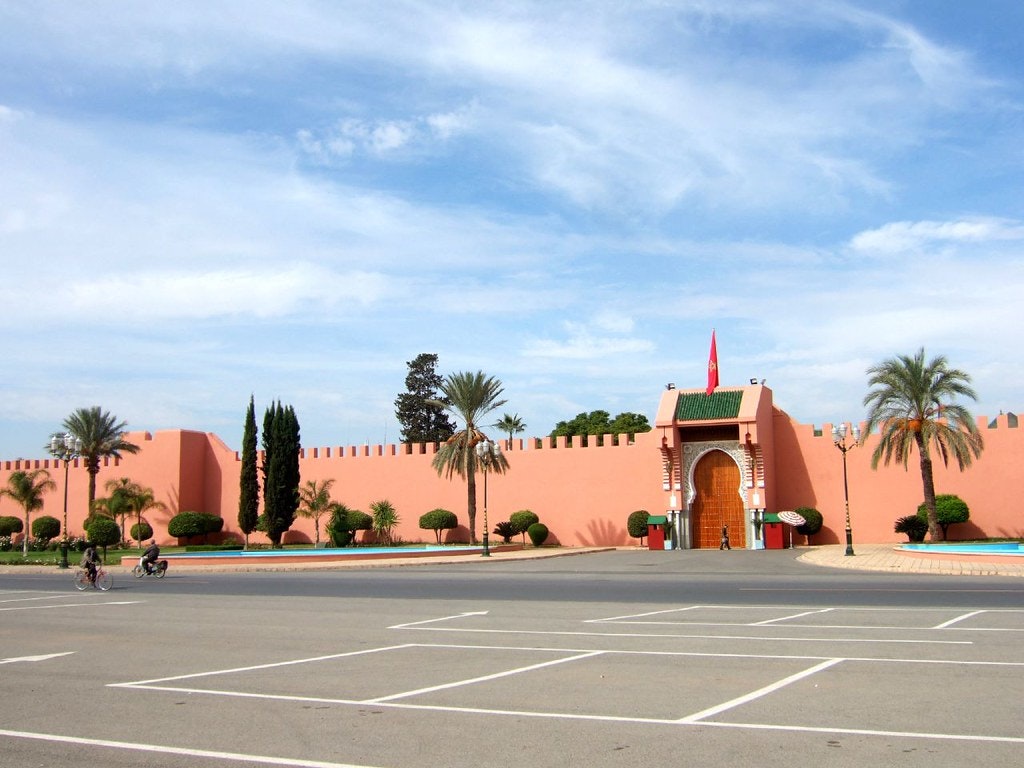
(754, 695)
(767, 622)
(483, 678)
(180, 751)
(949, 623)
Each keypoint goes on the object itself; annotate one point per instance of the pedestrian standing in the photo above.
(725, 538)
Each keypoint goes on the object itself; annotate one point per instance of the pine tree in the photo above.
(421, 418)
(249, 488)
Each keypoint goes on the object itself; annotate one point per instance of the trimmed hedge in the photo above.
(538, 533)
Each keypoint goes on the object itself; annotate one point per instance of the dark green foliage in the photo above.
(522, 520)
(280, 470)
(344, 523)
(417, 410)
(10, 525)
(225, 547)
(438, 520)
(636, 524)
(912, 525)
(142, 531)
(46, 528)
(813, 524)
(506, 531)
(103, 532)
(949, 509)
(538, 533)
(600, 423)
(188, 525)
(249, 484)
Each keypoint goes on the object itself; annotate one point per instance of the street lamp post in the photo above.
(65, 449)
(487, 452)
(839, 438)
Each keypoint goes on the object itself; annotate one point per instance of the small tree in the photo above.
(813, 522)
(27, 489)
(522, 520)
(249, 484)
(103, 532)
(45, 528)
(142, 531)
(949, 509)
(385, 518)
(438, 520)
(315, 502)
(189, 525)
(636, 524)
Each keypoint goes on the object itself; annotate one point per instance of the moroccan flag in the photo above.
(712, 365)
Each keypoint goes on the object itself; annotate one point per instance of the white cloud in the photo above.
(904, 236)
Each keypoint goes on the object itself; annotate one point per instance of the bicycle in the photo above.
(102, 582)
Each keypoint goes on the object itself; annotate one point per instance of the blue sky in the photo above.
(203, 200)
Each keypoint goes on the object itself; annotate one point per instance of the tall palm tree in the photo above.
(102, 437)
(913, 404)
(27, 489)
(510, 424)
(469, 397)
(315, 502)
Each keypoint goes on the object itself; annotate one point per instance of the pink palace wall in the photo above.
(583, 495)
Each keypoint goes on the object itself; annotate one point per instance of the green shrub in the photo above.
(813, 524)
(103, 532)
(142, 531)
(438, 520)
(344, 523)
(538, 533)
(10, 525)
(636, 524)
(187, 525)
(226, 547)
(505, 530)
(950, 510)
(46, 528)
(522, 520)
(913, 526)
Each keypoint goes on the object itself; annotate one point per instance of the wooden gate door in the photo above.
(716, 479)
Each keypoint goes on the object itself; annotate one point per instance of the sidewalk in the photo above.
(885, 557)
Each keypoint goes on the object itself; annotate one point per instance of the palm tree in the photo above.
(385, 518)
(118, 505)
(102, 437)
(512, 424)
(469, 397)
(913, 405)
(143, 500)
(315, 502)
(27, 489)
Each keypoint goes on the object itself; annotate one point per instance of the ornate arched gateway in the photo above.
(717, 501)
(715, 464)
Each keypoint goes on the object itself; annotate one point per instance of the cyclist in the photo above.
(149, 556)
(90, 559)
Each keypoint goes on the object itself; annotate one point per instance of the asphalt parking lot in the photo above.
(138, 677)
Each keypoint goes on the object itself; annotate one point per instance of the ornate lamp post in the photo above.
(839, 438)
(65, 449)
(487, 452)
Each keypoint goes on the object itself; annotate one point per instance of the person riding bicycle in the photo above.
(149, 557)
(90, 560)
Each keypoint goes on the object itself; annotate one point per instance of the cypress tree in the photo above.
(280, 470)
(249, 487)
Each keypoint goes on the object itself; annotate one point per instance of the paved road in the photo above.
(616, 658)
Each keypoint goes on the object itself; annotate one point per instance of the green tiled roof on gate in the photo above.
(699, 406)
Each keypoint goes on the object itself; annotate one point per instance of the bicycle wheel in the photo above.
(137, 572)
(161, 571)
(104, 581)
(81, 579)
